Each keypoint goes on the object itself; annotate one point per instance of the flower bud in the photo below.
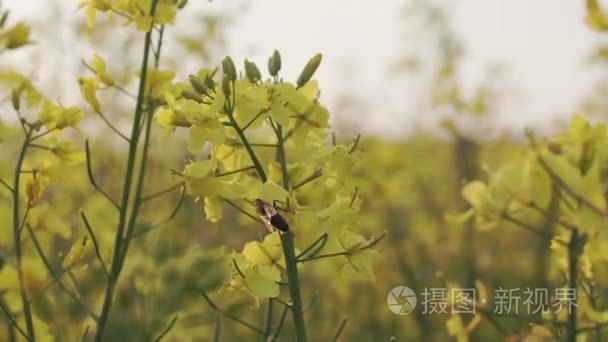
(190, 95)
(197, 84)
(33, 191)
(309, 70)
(16, 99)
(226, 85)
(209, 82)
(229, 68)
(274, 63)
(252, 72)
(77, 253)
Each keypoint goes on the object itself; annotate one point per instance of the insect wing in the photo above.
(279, 222)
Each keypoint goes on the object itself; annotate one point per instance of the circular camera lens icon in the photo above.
(401, 300)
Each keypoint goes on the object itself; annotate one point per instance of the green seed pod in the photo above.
(197, 84)
(274, 63)
(209, 82)
(309, 70)
(226, 85)
(229, 68)
(16, 99)
(190, 95)
(252, 72)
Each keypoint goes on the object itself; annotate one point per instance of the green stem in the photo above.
(138, 190)
(268, 319)
(294, 285)
(241, 134)
(27, 311)
(120, 249)
(574, 247)
(289, 249)
(281, 156)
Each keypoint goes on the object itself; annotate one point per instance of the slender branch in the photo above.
(268, 319)
(124, 137)
(25, 215)
(230, 316)
(55, 277)
(353, 198)
(116, 86)
(329, 255)
(27, 311)
(243, 211)
(258, 145)
(6, 185)
(169, 327)
(318, 173)
(162, 192)
(311, 302)
(546, 215)
(43, 134)
(264, 110)
(92, 177)
(12, 320)
(593, 327)
(556, 178)
(340, 329)
(228, 173)
(124, 91)
(41, 147)
(355, 144)
(122, 14)
(281, 321)
(321, 241)
(23, 122)
(178, 205)
(238, 269)
(304, 118)
(85, 334)
(218, 329)
(284, 303)
(241, 134)
(94, 239)
(528, 227)
(161, 33)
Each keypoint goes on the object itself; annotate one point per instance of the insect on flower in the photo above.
(270, 215)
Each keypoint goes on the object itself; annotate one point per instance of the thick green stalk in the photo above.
(289, 250)
(294, 285)
(27, 311)
(118, 254)
(138, 189)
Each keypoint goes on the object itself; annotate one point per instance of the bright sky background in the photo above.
(544, 45)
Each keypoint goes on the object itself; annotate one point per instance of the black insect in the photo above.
(271, 216)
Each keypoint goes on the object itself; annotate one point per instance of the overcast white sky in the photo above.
(544, 44)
